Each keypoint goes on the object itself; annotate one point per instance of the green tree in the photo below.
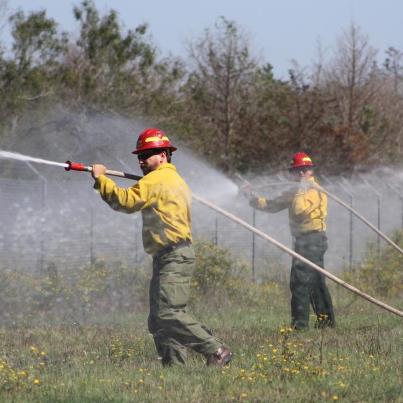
(36, 41)
(114, 68)
(352, 85)
(264, 142)
(217, 90)
(32, 73)
(392, 106)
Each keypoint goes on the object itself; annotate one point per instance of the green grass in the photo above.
(112, 359)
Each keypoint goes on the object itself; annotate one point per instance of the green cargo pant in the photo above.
(308, 285)
(172, 327)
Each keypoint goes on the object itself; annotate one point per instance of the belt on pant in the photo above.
(310, 232)
(172, 247)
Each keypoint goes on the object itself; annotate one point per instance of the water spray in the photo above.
(342, 203)
(75, 166)
(26, 158)
(358, 215)
(68, 165)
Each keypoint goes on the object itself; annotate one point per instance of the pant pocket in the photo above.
(174, 292)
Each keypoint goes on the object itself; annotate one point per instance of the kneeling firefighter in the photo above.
(164, 200)
(307, 211)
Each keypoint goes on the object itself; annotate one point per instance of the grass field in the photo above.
(112, 359)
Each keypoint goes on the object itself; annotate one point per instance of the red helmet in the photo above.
(300, 160)
(152, 138)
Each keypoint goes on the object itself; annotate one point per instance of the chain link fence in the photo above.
(66, 224)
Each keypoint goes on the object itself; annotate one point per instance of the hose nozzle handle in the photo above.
(77, 166)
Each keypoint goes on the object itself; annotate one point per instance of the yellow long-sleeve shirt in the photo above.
(307, 208)
(164, 200)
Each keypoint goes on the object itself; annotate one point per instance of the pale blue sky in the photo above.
(280, 30)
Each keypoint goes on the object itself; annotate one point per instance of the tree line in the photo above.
(346, 110)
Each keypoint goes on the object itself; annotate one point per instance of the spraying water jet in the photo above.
(26, 158)
(342, 203)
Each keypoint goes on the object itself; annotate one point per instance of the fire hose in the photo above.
(81, 167)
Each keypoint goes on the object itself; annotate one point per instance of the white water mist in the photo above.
(70, 216)
(26, 158)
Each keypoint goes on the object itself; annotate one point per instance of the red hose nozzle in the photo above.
(77, 166)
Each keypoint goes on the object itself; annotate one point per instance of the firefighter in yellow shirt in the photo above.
(164, 200)
(307, 210)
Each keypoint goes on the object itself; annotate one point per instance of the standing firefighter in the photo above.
(164, 200)
(307, 210)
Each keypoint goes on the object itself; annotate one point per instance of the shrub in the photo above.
(221, 278)
(109, 287)
(379, 273)
(96, 289)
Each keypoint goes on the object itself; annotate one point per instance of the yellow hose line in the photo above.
(297, 256)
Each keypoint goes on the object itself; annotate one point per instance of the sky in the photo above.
(280, 30)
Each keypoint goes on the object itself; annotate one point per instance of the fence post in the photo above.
(350, 232)
(43, 208)
(44, 194)
(401, 201)
(92, 256)
(215, 240)
(397, 190)
(253, 245)
(351, 228)
(378, 202)
(378, 240)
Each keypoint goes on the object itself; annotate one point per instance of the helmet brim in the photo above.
(301, 166)
(139, 151)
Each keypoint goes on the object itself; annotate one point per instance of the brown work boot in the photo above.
(220, 358)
